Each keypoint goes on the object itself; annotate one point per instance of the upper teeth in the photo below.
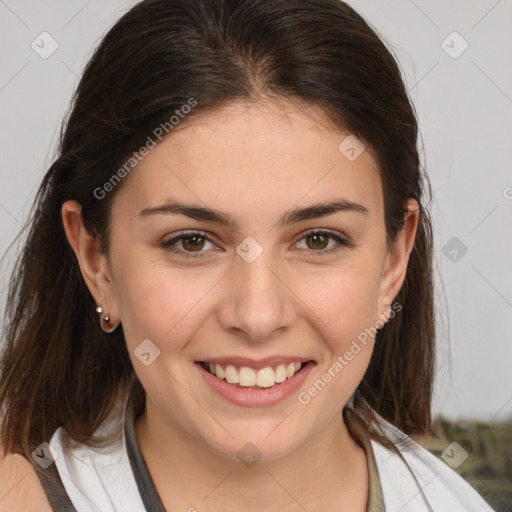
(264, 377)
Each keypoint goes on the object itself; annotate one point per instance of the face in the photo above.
(266, 283)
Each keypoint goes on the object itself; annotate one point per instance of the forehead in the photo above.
(249, 158)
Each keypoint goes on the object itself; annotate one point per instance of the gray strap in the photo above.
(355, 420)
(56, 493)
(148, 493)
(358, 431)
(54, 488)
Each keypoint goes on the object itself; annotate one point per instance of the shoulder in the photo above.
(20, 487)
(417, 476)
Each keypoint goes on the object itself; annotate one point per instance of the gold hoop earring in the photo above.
(105, 321)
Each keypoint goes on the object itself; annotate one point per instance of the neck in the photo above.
(328, 472)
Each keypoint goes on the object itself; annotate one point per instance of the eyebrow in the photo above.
(291, 217)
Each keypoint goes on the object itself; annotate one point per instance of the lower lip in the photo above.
(256, 397)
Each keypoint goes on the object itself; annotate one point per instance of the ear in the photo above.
(93, 263)
(397, 258)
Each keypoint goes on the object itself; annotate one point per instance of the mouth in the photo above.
(250, 377)
(248, 383)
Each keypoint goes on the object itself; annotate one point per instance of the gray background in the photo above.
(464, 105)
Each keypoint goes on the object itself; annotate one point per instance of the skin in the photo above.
(20, 488)
(253, 161)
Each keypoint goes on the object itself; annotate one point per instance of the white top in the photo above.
(115, 478)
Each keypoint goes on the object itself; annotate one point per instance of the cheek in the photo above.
(159, 302)
(344, 298)
(347, 307)
(344, 303)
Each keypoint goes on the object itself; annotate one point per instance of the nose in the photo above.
(258, 302)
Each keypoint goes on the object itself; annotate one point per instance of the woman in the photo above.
(225, 297)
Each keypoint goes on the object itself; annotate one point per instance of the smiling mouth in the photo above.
(250, 378)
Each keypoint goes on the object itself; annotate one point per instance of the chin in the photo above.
(263, 440)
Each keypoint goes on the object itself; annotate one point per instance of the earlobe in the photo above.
(398, 256)
(92, 262)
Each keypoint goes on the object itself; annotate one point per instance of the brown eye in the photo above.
(318, 242)
(192, 244)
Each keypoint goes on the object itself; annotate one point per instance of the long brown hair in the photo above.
(58, 368)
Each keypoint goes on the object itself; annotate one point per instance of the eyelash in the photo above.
(342, 242)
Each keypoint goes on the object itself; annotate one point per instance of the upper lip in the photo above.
(256, 363)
